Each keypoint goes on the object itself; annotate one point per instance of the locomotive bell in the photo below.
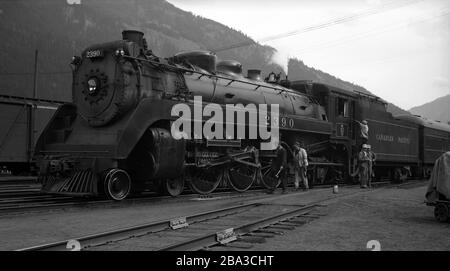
(254, 75)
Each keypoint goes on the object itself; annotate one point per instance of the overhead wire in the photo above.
(370, 33)
(335, 21)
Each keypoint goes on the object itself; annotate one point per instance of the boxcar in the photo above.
(22, 121)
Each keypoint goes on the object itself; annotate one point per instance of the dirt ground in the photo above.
(396, 217)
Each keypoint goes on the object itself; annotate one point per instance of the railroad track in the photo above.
(235, 226)
(189, 234)
(16, 186)
(288, 217)
(42, 202)
(36, 201)
(7, 190)
(27, 201)
(26, 197)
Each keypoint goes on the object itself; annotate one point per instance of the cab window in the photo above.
(342, 107)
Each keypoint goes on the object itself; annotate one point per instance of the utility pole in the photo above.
(32, 112)
(36, 53)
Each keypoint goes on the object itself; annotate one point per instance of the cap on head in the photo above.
(364, 121)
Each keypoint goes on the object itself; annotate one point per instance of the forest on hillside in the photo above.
(59, 30)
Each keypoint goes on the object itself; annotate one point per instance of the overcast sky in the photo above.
(400, 53)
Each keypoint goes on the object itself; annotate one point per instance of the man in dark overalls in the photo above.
(364, 161)
(279, 166)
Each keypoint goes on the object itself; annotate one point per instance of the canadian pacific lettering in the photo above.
(390, 138)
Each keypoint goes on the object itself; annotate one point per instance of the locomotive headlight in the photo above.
(92, 85)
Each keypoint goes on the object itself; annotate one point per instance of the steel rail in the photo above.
(210, 239)
(45, 202)
(127, 232)
(68, 202)
(51, 203)
(195, 243)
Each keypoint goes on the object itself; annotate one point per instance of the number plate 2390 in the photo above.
(94, 53)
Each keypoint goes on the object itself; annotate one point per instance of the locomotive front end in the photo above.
(105, 84)
(77, 151)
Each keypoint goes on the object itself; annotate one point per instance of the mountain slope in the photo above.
(59, 31)
(438, 109)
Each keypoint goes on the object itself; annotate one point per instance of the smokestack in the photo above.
(134, 36)
(254, 75)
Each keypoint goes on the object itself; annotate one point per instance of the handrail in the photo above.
(27, 99)
(214, 75)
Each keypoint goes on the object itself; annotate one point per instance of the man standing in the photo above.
(364, 131)
(301, 165)
(279, 166)
(364, 165)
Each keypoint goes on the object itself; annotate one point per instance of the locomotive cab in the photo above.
(337, 105)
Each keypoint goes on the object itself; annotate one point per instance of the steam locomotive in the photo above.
(115, 138)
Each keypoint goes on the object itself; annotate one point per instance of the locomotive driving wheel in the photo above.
(205, 181)
(441, 212)
(241, 177)
(267, 172)
(117, 184)
(174, 186)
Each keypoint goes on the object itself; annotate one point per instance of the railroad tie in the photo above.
(252, 239)
(288, 223)
(310, 216)
(237, 244)
(267, 230)
(281, 227)
(299, 221)
(261, 234)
